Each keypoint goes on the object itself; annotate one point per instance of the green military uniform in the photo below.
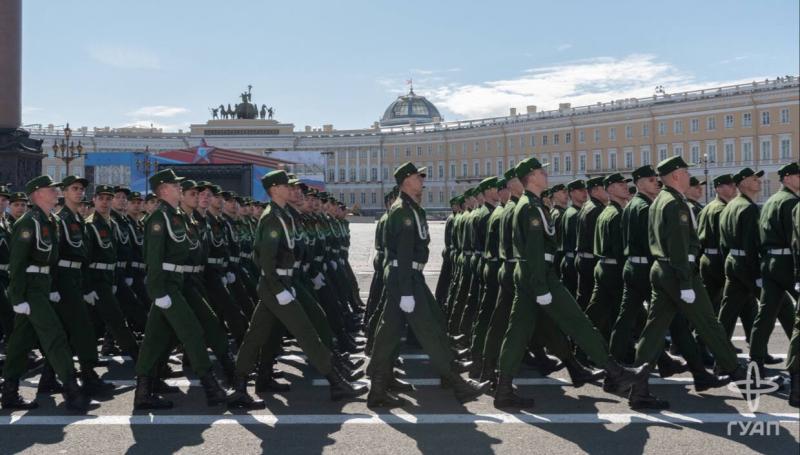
(712, 263)
(468, 262)
(555, 214)
(793, 356)
(132, 306)
(739, 242)
(99, 287)
(674, 244)
(6, 313)
(585, 260)
(569, 240)
(609, 248)
(775, 231)
(446, 272)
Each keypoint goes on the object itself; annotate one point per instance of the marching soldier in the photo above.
(695, 193)
(18, 205)
(560, 197)
(34, 251)
(446, 272)
(585, 259)
(775, 231)
(793, 357)
(578, 196)
(712, 263)
(406, 239)
(6, 313)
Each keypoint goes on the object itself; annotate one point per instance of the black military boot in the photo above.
(466, 389)
(345, 372)
(476, 367)
(640, 397)
(619, 379)
(505, 396)
(215, 394)
(460, 366)
(397, 385)
(340, 388)
(670, 365)
(379, 394)
(581, 375)
(546, 364)
(145, 399)
(93, 385)
(794, 389)
(703, 380)
(347, 361)
(770, 360)
(241, 399)
(229, 368)
(461, 354)
(74, 398)
(11, 399)
(488, 373)
(459, 341)
(48, 384)
(109, 348)
(265, 381)
(161, 387)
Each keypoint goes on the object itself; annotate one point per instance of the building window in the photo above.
(694, 125)
(711, 151)
(582, 163)
(597, 160)
(568, 164)
(765, 118)
(488, 168)
(645, 130)
(352, 198)
(544, 139)
(695, 151)
(677, 126)
(385, 173)
(612, 160)
(430, 150)
(373, 198)
(430, 197)
(786, 148)
(766, 150)
(568, 138)
(342, 175)
(729, 121)
(729, 152)
(662, 153)
(628, 132)
(629, 159)
(441, 196)
(645, 156)
(441, 171)
(784, 115)
(464, 149)
(555, 139)
(476, 169)
(612, 134)
(662, 128)
(463, 169)
(556, 165)
(596, 135)
(747, 151)
(533, 140)
(341, 196)
(331, 175)
(677, 150)
(510, 163)
(452, 170)
(408, 152)
(374, 174)
(711, 123)
(747, 119)
(500, 169)
(581, 137)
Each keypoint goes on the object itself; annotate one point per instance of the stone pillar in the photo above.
(20, 156)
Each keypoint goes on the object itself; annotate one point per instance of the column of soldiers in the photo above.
(600, 282)
(186, 269)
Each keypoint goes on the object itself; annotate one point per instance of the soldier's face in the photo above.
(74, 193)
(539, 178)
(135, 206)
(695, 192)
(102, 204)
(560, 197)
(413, 184)
(120, 201)
(618, 190)
(18, 208)
(504, 195)
(726, 191)
(151, 205)
(204, 198)
(752, 184)
(3, 204)
(648, 186)
(216, 202)
(792, 182)
(579, 196)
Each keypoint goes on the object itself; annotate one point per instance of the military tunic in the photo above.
(585, 260)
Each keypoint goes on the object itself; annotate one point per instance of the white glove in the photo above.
(334, 265)
(797, 287)
(55, 297)
(129, 281)
(22, 308)
(231, 277)
(91, 297)
(318, 281)
(224, 281)
(687, 295)
(114, 289)
(407, 303)
(164, 302)
(545, 299)
(760, 283)
(284, 297)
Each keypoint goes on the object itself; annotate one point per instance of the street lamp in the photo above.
(146, 165)
(67, 150)
(705, 161)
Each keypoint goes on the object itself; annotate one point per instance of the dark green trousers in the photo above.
(181, 320)
(6, 312)
(224, 305)
(778, 284)
(107, 307)
(488, 302)
(461, 296)
(738, 296)
(568, 273)
(665, 303)
(42, 325)
(267, 317)
(315, 313)
(606, 297)
(712, 272)
(445, 275)
(75, 318)
(793, 357)
(498, 323)
(426, 320)
(213, 329)
(584, 268)
(630, 319)
(563, 310)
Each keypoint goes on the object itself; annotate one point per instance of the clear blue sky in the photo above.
(118, 63)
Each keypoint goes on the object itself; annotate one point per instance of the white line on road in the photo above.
(398, 418)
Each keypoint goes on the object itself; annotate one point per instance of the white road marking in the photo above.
(398, 417)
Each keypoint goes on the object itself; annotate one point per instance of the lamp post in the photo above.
(706, 162)
(147, 165)
(67, 151)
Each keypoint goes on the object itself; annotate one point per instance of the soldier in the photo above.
(560, 198)
(712, 263)
(739, 242)
(406, 239)
(775, 231)
(534, 275)
(676, 284)
(608, 247)
(6, 313)
(274, 246)
(793, 357)
(376, 288)
(18, 205)
(150, 203)
(578, 196)
(34, 251)
(695, 193)
(446, 272)
(585, 260)
(134, 308)
(69, 283)
(135, 224)
(166, 252)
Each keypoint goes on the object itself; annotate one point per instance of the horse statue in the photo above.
(214, 113)
(222, 112)
(263, 112)
(230, 111)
